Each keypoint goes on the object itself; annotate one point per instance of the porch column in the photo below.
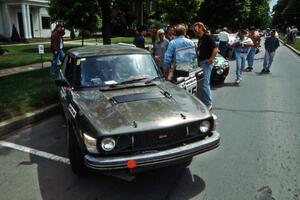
(6, 21)
(25, 26)
(28, 21)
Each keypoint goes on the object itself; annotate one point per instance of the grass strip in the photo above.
(25, 92)
(20, 55)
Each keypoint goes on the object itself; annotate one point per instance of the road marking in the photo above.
(36, 152)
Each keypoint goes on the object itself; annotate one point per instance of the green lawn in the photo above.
(25, 55)
(296, 45)
(26, 92)
(28, 54)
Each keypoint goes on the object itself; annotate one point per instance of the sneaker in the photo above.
(263, 70)
(248, 69)
(237, 81)
(267, 70)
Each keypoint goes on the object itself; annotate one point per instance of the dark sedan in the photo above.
(220, 70)
(122, 115)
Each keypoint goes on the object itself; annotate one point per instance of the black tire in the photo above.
(222, 81)
(75, 154)
(61, 111)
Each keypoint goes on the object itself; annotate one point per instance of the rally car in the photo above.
(122, 115)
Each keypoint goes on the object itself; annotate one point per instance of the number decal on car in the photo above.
(72, 111)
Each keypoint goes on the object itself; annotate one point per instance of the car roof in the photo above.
(102, 50)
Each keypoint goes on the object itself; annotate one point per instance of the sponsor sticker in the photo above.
(72, 110)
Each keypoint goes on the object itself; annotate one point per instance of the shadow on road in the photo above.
(58, 182)
(230, 84)
(55, 180)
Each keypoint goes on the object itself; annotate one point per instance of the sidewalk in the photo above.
(26, 68)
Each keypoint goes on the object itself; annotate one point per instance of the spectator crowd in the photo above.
(242, 46)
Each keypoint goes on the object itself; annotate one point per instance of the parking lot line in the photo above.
(36, 152)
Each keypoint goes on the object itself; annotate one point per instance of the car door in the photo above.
(66, 74)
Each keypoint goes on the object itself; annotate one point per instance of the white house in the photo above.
(30, 17)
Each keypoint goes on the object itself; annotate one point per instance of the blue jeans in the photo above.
(222, 47)
(250, 57)
(240, 59)
(268, 59)
(206, 97)
(59, 56)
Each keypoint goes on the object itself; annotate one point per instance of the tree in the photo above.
(105, 6)
(219, 13)
(259, 15)
(15, 37)
(179, 11)
(234, 13)
(286, 13)
(76, 14)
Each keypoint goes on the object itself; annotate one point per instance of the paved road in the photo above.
(258, 157)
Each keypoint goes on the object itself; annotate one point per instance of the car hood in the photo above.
(137, 109)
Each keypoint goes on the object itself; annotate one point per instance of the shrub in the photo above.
(15, 37)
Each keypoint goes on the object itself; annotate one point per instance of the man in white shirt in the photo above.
(223, 38)
(241, 47)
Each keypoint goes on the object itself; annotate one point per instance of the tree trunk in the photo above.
(82, 38)
(106, 12)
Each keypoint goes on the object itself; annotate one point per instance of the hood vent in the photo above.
(137, 97)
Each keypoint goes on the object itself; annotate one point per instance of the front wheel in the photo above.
(75, 154)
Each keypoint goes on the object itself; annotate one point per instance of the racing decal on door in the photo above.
(72, 111)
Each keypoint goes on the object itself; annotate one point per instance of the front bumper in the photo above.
(154, 159)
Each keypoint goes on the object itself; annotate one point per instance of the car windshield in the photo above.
(186, 59)
(116, 69)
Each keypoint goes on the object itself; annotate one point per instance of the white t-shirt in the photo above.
(242, 48)
(223, 36)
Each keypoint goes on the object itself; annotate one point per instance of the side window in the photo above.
(64, 64)
(68, 70)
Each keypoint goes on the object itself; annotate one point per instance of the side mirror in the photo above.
(181, 73)
(61, 83)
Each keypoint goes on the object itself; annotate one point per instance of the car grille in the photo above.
(157, 140)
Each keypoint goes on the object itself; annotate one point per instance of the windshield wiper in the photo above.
(151, 80)
(131, 81)
(118, 85)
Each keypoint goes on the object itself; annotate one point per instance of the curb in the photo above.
(27, 119)
(23, 69)
(290, 47)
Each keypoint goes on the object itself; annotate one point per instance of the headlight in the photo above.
(220, 71)
(108, 144)
(204, 126)
(90, 143)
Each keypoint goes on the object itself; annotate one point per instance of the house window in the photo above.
(46, 22)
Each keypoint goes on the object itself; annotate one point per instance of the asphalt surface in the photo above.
(259, 121)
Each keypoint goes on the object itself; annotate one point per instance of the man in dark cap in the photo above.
(139, 39)
(271, 45)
